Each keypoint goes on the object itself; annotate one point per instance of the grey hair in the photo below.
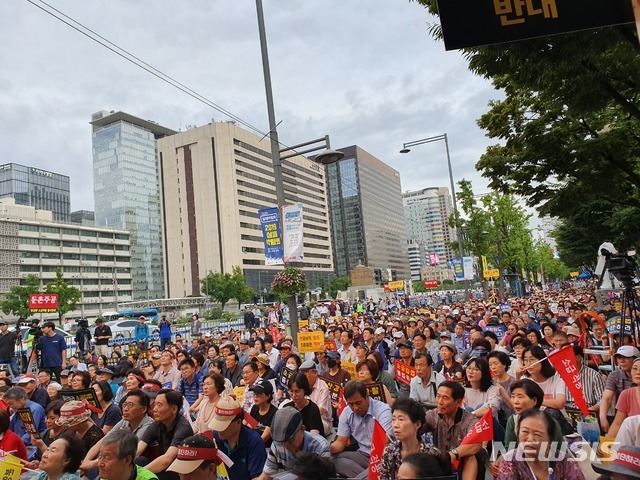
(127, 443)
(16, 393)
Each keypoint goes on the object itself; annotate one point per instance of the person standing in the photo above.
(196, 325)
(165, 332)
(248, 318)
(83, 336)
(53, 350)
(141, 332)
(8, 341)
(102, 335)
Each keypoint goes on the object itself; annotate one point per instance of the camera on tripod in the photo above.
(623, 266)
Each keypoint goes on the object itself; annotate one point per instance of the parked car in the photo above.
(126, 328)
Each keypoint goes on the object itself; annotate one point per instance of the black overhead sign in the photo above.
(471, 23)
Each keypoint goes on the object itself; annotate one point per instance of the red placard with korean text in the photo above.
(564, 362)
(43, 302)
(404, 373)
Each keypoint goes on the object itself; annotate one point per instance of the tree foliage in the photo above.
(222, 287)
(16, 301)
(68, 296)
(338, 284)
(568, 129)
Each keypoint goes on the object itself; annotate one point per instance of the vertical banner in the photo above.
(433, 259)
(467, 267)
(292, 227)
(270, 223)
(378, 441)
(458, 269)
(564, 362)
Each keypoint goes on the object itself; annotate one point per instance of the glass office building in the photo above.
(126, 192)
(367, 220)
(37, 188)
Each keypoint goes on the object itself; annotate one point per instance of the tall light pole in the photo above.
(406, 148)
(325, 157)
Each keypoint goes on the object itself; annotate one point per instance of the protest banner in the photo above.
(287, 374)
(403, 372)
(87, 395)
(310, 342)
(564, 362)
(378, 442)
(28, 421)
(376, 391)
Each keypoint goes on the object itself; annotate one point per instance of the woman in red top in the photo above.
(10, 442)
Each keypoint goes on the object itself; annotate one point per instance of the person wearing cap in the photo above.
(76, 417)
(320, 394)
(336, 374)
(102, 334)
(141, 333)
(447, 366)
(197, 459)
(625, 465)
(117, 458)
(263, 409)
(8, 342)
(243, 351)
(135, 419)
(357, 421)
(16, 398)
(264, 367)
(290, 440)
(240, 443)
(405, 351)
(617, 381)
(35, 394)
(628, 403)
(168, 430)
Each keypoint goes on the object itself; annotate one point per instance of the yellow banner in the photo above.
(309, 342)
(239, 393)
(574, 274)
(303, 323)
(485, 267)
(351, 368)
(492, 274)
(397, 285)
(10, 468)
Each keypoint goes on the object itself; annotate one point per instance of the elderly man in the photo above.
(168, 374)
(240, 443)
(357, 421)
(16, 398)
(169, 430)
(289, 440)
(35, 394)
(117, 455)
(250, 374)
(424, 385)
(197, 459)
(320, 394)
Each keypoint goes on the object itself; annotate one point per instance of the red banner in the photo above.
(331, 345)
(43, 302)
(252, 422)
(341, 402)
(482, 431)
(564, 362)
(403, 372)
(378, 441)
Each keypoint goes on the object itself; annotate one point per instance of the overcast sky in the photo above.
(366, 73)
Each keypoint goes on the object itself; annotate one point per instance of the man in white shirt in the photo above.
(424, 386)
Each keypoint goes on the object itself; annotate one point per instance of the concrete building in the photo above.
(126, 192)
(83, 217)
(367, 224)
(214, 179)
(97, 261)
(37, 188)
(426, 215)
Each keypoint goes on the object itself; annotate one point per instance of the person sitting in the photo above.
(76, 417)
(10, 441)
(197, 459)
(117, 455)
(423, 465)
(357, 421)
(17, 399)
(311, 466)
(529, 461)
(299, 390)
(290, 439)
(450, 424)
(62, 458)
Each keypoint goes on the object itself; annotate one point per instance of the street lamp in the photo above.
(326, 157)
(406, 148)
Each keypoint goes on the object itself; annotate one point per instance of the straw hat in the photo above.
(263, 358)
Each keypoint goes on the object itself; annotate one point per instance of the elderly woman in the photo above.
(80, 380)
(75, 417)
(132, 381)
(213, 386)
(61, 460)
(53, 390)
(52, 413)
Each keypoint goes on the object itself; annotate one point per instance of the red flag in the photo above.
(341, 403)
(482, 431)
(564, 362)
(582, 340)
(252, 422)
(378, 441)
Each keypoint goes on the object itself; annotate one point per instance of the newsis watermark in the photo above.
(580, 450)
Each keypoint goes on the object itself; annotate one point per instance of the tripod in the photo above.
(630, 300)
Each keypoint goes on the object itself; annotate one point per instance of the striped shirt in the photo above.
(592, 386)
(279, 457)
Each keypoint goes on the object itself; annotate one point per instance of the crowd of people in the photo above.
(426, 373)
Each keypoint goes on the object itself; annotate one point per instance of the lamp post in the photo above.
(326, 157)
(406, 148)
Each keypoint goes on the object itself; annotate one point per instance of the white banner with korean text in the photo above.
(292, 226)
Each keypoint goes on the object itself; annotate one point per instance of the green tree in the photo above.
(338, 284)
(222, 287)
(68, 296)
(418, 287)
(16, 302)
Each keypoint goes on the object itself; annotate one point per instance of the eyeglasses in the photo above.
(472, 370)
(127, 405)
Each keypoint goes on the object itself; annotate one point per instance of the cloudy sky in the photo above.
(366, 73)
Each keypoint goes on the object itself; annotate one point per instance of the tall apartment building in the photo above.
(126, 192)
(367, 224)
(37, 188)
(426, 214)
(97, 261)
(214, 179)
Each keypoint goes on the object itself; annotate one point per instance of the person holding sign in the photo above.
(299, 390)
(17, 399)
(368, 373)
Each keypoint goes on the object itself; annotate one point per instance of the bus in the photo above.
(149, 313)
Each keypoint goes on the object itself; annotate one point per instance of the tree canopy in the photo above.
(68, 296)
(568, 130)
(222, 287)
(16, 301)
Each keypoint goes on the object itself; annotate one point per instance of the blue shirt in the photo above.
(17, 426)
(192, 390)
(51, 349)
(141, 332)
(361, 428)
(279, 457)
(165, 330)
(249, 454)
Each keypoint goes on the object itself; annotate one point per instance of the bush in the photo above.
(214, 314)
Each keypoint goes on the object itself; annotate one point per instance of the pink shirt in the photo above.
(628, 402)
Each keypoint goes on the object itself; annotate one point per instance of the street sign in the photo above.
(471, 23)
(43, 302)
(430, 284)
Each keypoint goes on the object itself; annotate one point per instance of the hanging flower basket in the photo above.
(289, 281)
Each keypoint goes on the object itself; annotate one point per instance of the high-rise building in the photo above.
(367, 224)
(83, 217)
(37, 188)
(97, 261)
(126, 192)
(426, 214)
(214, 179)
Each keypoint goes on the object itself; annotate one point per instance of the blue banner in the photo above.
(499, 330)
(458, 270)
(271, 233)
